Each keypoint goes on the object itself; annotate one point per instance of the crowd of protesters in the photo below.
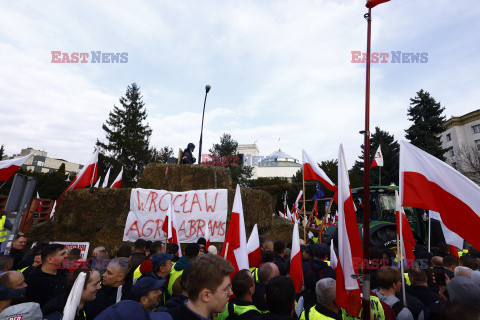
(147, 281)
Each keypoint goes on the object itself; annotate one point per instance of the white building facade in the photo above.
(462, 138)
(40, 162)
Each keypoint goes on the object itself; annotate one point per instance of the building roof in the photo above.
(462, 120)
(280, 159)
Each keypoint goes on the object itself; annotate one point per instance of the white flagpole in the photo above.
(402, 249)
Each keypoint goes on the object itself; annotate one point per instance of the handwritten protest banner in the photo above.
(193, 209)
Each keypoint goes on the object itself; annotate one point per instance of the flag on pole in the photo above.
(86, 176)
(9, 167)
(296, 271)
(235, 244)
(349, 242)
(429, 183)
(170, 228)
(311, 171)
(374, 3)
(296, 209)
(253, 248)
(117, 183)
(105, 181)
(378, 159)
(97, 184)
(53, 210)
(454, 241)
(318, 192)
(406, 236)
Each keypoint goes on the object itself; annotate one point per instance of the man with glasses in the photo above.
(208, 288)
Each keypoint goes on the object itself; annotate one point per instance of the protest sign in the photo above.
(193, 210)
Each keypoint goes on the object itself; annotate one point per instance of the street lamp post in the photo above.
(207, 88)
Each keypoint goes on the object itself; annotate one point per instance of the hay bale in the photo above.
(184, 177)
(280, 229)
(257, 207)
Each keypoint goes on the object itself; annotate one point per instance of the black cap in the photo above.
(192, 250)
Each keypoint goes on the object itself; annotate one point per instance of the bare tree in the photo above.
(468, 160)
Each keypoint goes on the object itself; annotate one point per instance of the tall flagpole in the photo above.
(379, 176)
(304, 215)
(366, 181)
(429, 231)
(402, 249)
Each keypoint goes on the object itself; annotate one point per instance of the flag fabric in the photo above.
(406, 236)
(117, 183)
(319, 192)
(170, 228)
(105, 181)
(378, 159)
(349, 242)
(429, 183)
(97, 184)
(53, 210)
(236, 238)
(296, 271)
(311, 171)
(9, 167)
(253, 248)
(296, 209)
(373, 3)
(207, 236)
(290, 216)
(453, 240)
(86, 176)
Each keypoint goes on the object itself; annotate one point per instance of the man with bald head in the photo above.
(266, 271)
(12, 286)
(113, 278)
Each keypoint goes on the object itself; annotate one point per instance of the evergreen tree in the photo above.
(128, 136)
(2, 151)
(162, 155)
(427, 116)
(390, 151)
(223, 151)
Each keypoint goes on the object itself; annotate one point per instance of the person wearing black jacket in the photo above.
(266, 271)
(280, 297)
(280, 248)
(187, 157)
(48, 280)
(419, 288)
(16, 251)
(113, 277)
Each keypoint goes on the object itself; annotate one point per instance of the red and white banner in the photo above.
(429, 183)
(192, 209)
(311, 171)
(117, 183)
(378, 159)
(253, 248)
(9, 167)
(349, 242)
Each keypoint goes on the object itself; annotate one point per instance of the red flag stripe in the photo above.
(374, 3)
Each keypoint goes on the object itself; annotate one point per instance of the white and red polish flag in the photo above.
(86, 176)
(118, 180)
(406, 236)
(208, 234)
(311, 171)
(374, 3)
(429, 183)
(236, 237)
(97, 184)
(170, 228)
(295, 209)
(52, 213)
(454, 241)
(9, 167)
(378, 159)
(349, 242)
(296, 271)
(253, 248)
(107, 176)
(290, 216)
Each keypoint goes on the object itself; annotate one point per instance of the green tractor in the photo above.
(383, 219)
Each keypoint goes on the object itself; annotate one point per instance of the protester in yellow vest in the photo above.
(326, 307)
(191, 251)
(241, 307)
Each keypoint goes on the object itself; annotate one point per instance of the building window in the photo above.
(452, 153)
(476, 129)
(477, 142)
(449, 137)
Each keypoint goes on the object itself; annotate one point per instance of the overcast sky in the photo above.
(278, 70)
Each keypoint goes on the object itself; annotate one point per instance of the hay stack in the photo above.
(184, 177)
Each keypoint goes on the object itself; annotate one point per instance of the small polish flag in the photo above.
(311, 171)
(97, 184)
(118, 180)
(170, 228)
(378, 159)
(105, 181)
(296, 271)
(406, 236)
(53, 210)
(9, 167)
(296, 209)
(253, 248)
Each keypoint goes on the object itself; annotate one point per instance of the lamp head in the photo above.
(207, 88)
